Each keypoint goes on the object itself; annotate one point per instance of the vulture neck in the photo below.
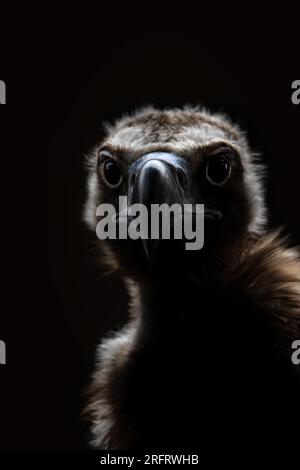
(168, 301)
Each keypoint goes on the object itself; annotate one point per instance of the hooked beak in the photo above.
(161, 178)
(157, 178)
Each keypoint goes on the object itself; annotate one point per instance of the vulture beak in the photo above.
(157, 178)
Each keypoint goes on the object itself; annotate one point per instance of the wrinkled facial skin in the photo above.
(206, 158)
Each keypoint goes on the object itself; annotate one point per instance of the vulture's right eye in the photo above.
(218, 170)
(112, 173)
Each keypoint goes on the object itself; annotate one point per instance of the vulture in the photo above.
(204, 360)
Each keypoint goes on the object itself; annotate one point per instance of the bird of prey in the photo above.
(204, 359)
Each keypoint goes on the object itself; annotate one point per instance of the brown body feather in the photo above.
(264, 272)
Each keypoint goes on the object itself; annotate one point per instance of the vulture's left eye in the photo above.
(112, 173)
(218, 169)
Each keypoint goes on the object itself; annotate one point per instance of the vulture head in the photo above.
(180, 157)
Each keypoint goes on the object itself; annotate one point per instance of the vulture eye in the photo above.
(218, 170)
(112, 173)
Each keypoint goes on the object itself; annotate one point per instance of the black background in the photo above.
(63, 79)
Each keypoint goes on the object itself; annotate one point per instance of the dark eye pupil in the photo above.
(218, 169)
(112, 173)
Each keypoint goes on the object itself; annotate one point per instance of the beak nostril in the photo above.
(132, 180)
(157, 178)
(181, 177)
